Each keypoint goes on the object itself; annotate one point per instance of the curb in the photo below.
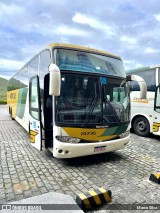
(155, 177)
(44, 203)
(93, 198)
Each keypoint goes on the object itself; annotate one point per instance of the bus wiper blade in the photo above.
(90, 111)
(113, 110)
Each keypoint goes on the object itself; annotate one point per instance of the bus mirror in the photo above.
(55, 80)
(142, 85)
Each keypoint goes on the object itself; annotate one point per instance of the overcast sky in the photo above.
(128, 28)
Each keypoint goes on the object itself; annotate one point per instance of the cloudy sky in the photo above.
(129, 28)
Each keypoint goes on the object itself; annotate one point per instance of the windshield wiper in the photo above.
(90, 111)
(113, 111)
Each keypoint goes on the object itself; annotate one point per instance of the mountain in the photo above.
(3, 90)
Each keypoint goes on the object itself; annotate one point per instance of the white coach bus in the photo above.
(73, 99)
(145, 113)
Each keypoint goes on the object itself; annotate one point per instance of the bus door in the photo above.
(48, 114)
(156, 121)
(35, 113)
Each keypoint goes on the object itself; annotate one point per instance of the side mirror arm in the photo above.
(142, 85)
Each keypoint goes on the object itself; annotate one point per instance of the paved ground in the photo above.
(25, 172)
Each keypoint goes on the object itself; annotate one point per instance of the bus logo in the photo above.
(139, 100)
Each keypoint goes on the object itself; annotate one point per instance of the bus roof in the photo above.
(86, 49)
(142, 69)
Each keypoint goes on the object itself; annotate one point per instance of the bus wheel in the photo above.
(141, 126)
(11, 114)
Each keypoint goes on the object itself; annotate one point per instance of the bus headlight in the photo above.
(125, 134)
(67, 139)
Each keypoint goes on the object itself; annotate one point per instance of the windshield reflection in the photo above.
(78, 93)
(86, 100)
(87, 62)
(116, 103)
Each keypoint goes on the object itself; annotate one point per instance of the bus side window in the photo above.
(157, 104)
(33, 67)
(159, 76)
(45, 60)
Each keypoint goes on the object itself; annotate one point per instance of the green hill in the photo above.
(3, 90)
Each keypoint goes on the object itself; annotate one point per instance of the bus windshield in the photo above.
(88, 62)
(88, 100)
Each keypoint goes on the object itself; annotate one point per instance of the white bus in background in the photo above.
(145, 113)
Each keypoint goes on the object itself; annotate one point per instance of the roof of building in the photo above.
(142, 69)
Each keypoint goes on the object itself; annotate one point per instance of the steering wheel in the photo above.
(75, 104)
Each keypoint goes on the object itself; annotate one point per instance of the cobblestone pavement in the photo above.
(25, 172)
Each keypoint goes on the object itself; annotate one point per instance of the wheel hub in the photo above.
(141, 126)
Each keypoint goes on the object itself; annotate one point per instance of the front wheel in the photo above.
(141, 126)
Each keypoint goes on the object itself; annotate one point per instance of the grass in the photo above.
(3, 102)
(3, 90)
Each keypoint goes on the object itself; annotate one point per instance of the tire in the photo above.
(11, 114)
(141, 126)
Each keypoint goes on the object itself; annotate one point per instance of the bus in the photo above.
(145, 113)
(73, 100)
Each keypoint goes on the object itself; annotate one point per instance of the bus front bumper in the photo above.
(69, 150)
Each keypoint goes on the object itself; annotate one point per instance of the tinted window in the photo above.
(79, 101)
(13, 83)
(159, 76)
(45, 60)
(34, 101)
(33, 67)
(149, 77)
(134, 86)
(158, 100)
(87, 62)
(23, 76)
(19, 80)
